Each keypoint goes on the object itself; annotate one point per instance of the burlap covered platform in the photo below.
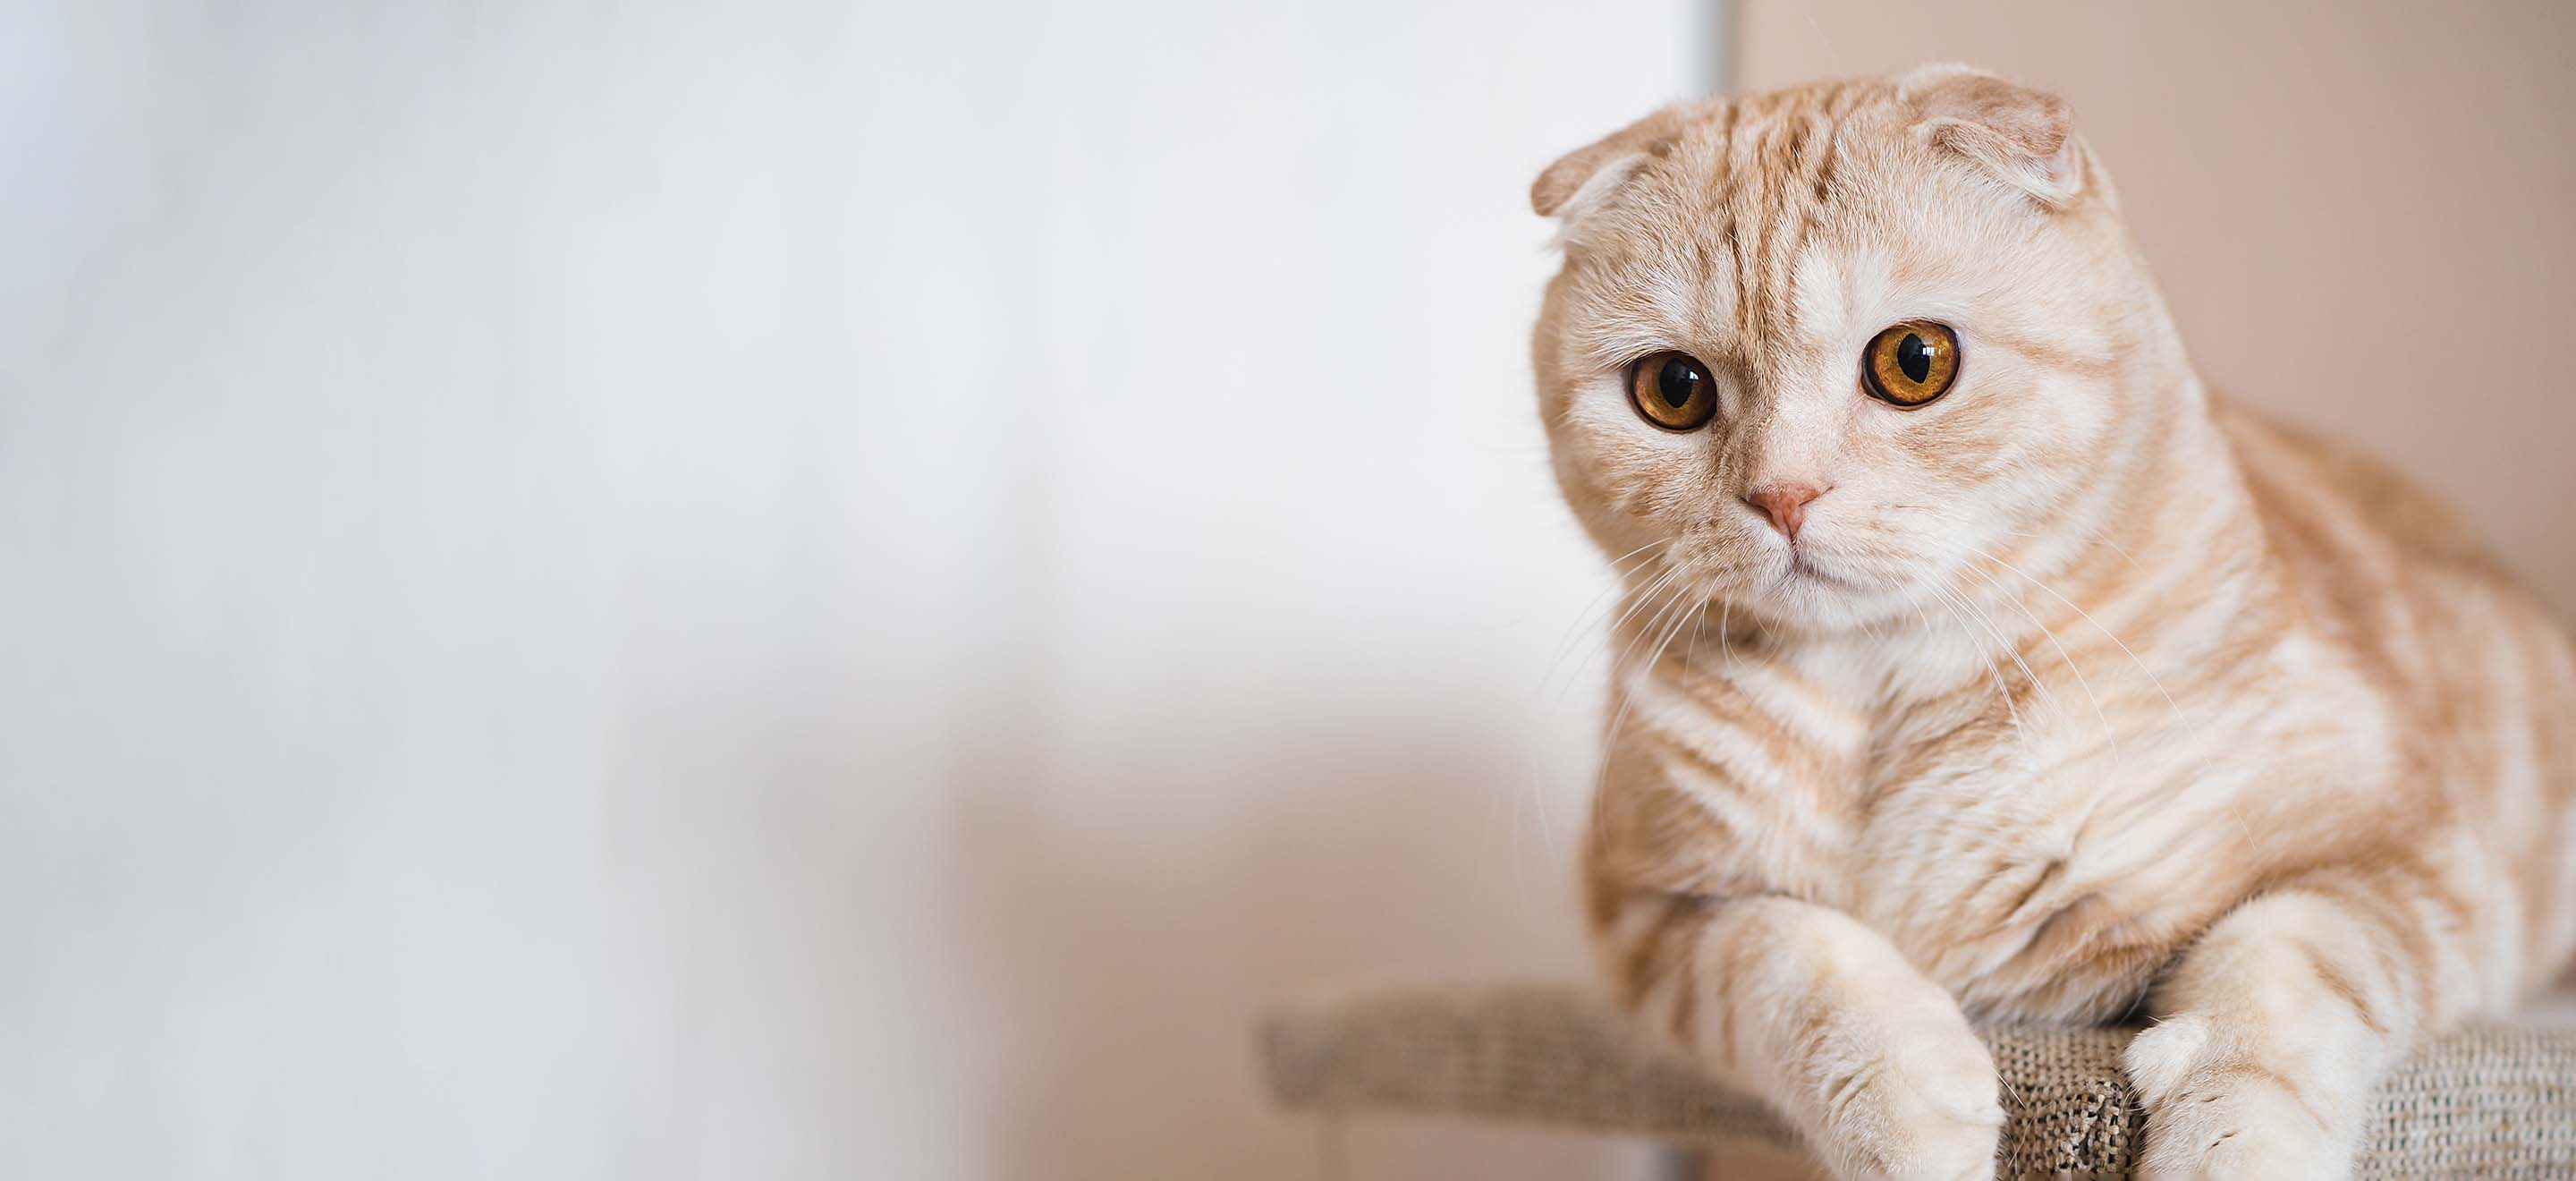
(2494, 1101)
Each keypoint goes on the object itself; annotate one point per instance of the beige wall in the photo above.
(2360, 212)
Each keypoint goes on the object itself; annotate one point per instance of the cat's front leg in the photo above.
(1824, 1020)
(2271, 1033)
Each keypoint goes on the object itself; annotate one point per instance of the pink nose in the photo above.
(1785, 504)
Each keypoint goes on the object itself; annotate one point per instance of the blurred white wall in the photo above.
(773, 590)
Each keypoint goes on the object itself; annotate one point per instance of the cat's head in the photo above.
(1812, 351)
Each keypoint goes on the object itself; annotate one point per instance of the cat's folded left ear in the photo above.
(2024, 137)
(1580, 178)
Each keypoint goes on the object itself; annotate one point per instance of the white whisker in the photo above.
(2150, 674)
(2109, 731)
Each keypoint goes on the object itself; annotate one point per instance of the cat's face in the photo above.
(1813, 352)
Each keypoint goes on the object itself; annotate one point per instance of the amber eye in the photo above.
(1673, 391)
(1911, 363)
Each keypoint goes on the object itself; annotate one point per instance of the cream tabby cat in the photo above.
(1977, 664)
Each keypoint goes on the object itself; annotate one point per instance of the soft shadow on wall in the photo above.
(1302, 693)
(1238, 641)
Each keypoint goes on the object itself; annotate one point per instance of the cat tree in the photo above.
(2489, 1101)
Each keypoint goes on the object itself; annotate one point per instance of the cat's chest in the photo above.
(2041, 847)
(2000, 846)
(2028, 869)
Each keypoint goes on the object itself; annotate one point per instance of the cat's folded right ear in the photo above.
(2023, 137)
(1580, 178)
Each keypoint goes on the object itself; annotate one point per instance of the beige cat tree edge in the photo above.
(2486, 1101)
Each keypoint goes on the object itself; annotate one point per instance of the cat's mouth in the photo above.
(1803, 566)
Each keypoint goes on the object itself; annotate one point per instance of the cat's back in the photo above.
(2371, 557)
(2482, 673)
(2375, 561)
(2323, 499)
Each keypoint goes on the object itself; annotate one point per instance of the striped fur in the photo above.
(2082, 695)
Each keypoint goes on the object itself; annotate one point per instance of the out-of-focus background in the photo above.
(640, 590)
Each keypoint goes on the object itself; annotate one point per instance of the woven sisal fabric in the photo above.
(2490, 1101)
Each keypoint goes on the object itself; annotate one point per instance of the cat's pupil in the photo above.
(1678, 381)
(1914, 357)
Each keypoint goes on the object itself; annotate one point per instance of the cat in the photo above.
(1974, 663)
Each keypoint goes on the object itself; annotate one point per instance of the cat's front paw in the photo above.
(2214, 1111)
(1924, 1105)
